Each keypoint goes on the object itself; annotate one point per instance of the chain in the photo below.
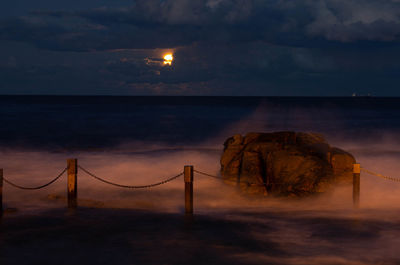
(381, 176)
(245, 182)
(263, 184)
(35, 188)
(209, 175)
(129, 186)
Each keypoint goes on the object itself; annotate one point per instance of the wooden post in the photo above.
(188, 177)
(1, 192)
(356, 185)
(72, 186)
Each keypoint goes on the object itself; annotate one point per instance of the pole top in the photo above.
(188, 173)
(356, 168)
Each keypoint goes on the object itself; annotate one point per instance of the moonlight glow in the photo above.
(168, 59)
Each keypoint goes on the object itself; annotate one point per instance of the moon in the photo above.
(168, 58)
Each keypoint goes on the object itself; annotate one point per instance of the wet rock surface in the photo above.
(284, 164)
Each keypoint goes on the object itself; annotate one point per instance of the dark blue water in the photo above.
(321, 230)
(82, 122)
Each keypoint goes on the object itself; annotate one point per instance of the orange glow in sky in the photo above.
(168, 59)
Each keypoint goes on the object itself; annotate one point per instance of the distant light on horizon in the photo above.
(168, 58)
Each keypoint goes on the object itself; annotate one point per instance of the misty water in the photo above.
(141, 140)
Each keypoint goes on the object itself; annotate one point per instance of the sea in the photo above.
(101, 122)
(139, 140)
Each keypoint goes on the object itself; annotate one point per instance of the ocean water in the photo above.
(68, 122)
(141, 140)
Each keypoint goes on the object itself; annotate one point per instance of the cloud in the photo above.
(202, 69)
(269, 47)
(167, 24)
(348, 21)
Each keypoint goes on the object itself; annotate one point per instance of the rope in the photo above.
(129, 186)
(379, 175)
(35, 188)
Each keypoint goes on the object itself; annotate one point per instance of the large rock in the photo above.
(284, 163)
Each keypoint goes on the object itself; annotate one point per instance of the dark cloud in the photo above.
(213, 69)
(23, 7)
(348, 21)
(166, 24)
(231, 47)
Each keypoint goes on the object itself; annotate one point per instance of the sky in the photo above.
(220, 47)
